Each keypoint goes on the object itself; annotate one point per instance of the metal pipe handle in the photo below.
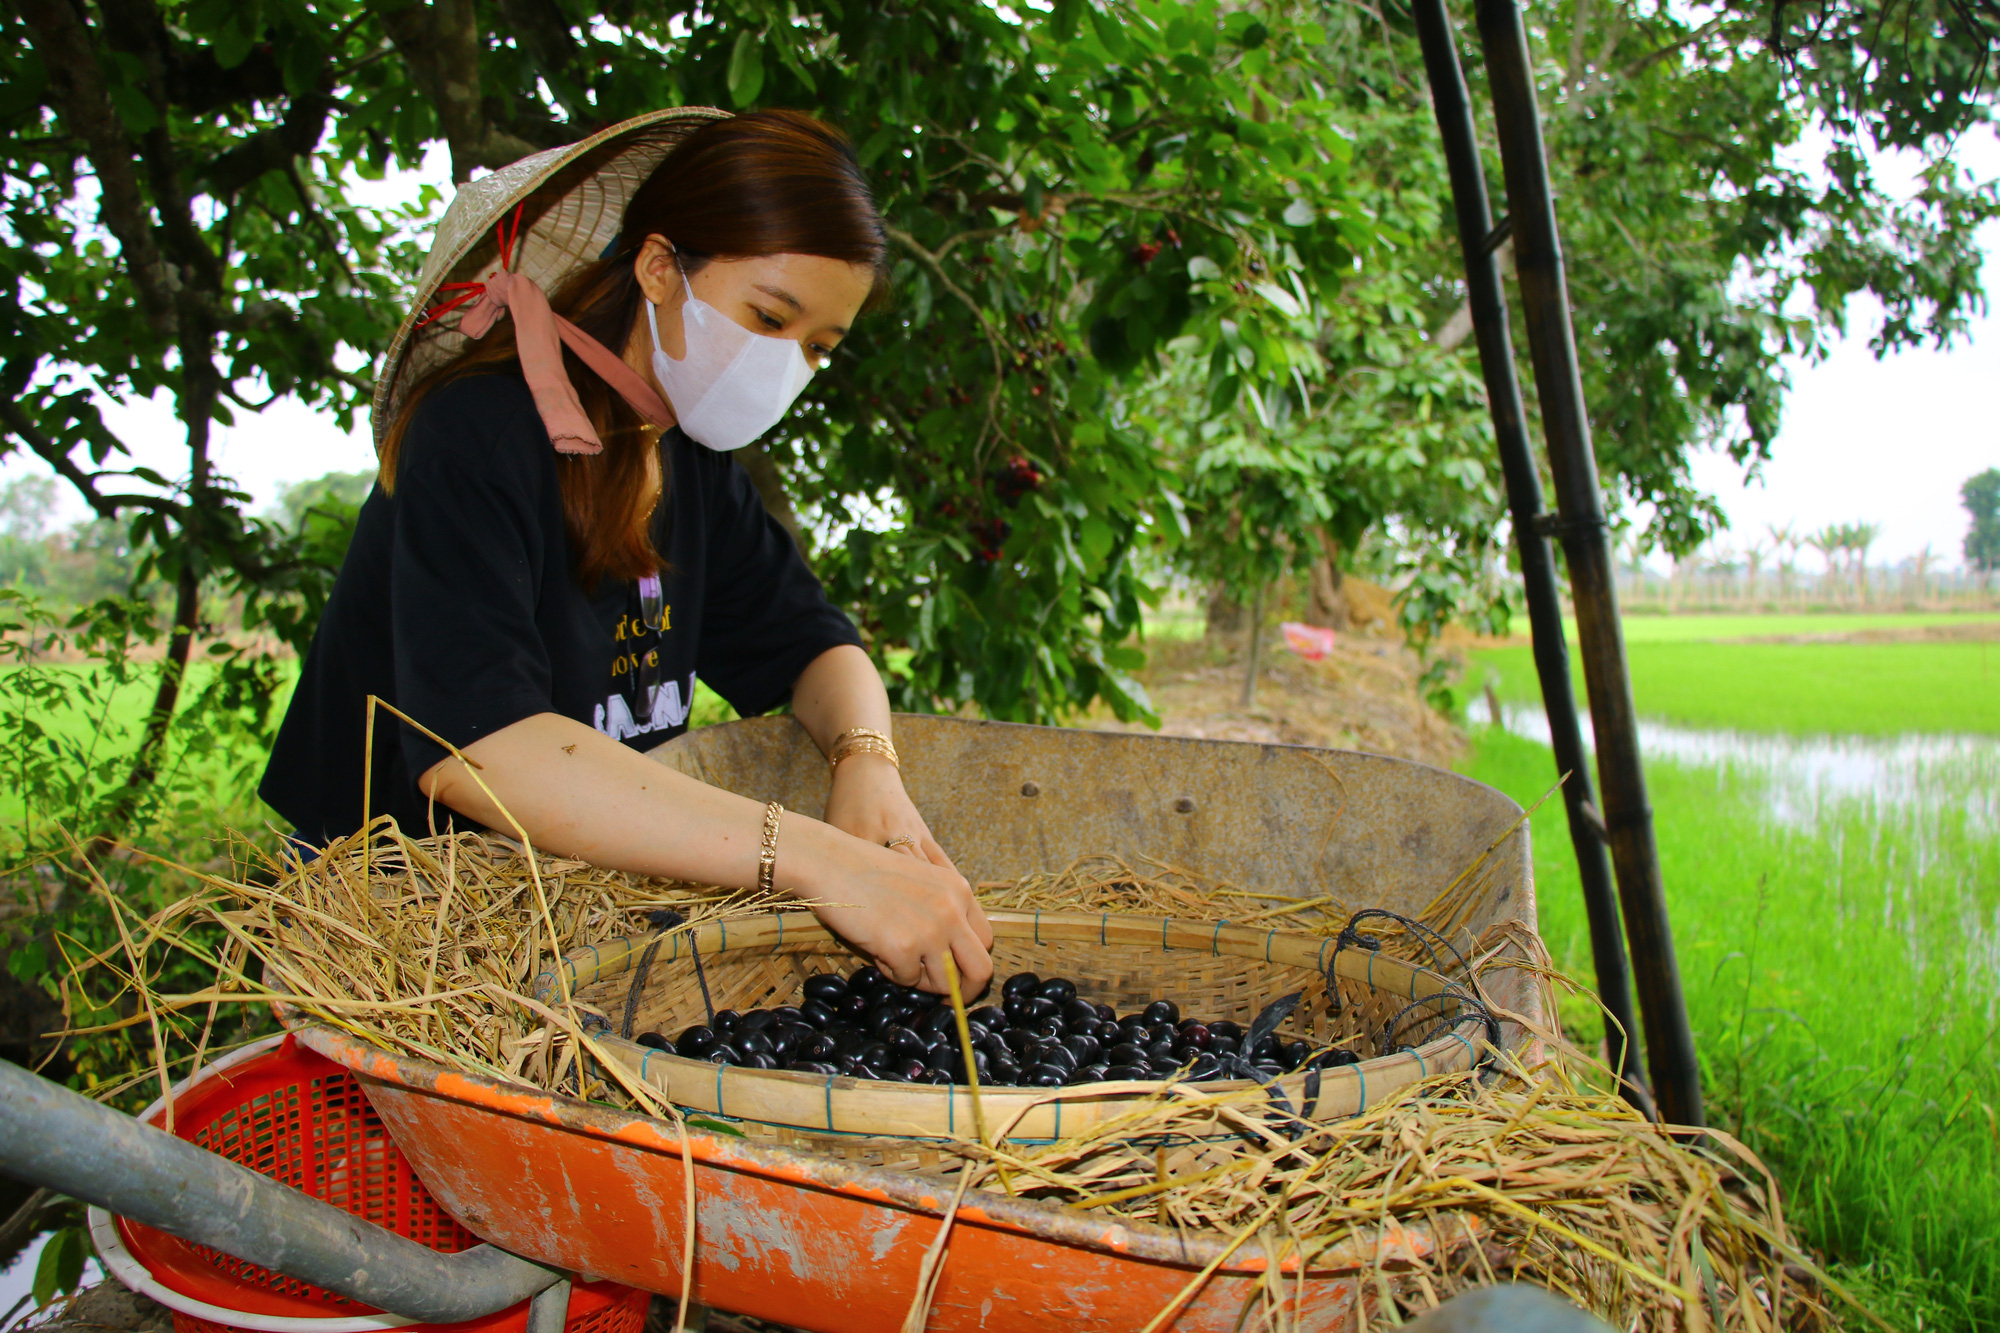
(50, 1136)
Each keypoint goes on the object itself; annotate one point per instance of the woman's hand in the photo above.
(909, 910)
(868, 801)
(904, 912)
(906, 905)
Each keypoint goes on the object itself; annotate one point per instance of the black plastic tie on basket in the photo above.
(662, 919)
(1471, 1009)
(1237, 1063)
(1351, 937)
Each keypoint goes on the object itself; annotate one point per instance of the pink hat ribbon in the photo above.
(540, 333)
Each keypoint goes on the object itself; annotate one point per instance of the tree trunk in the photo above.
(770, 484)
(1326, 601)
(1254, 652)
(166, 701)
(1225, 613)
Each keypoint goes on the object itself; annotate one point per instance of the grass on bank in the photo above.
(1843, 979)
(1864, 689)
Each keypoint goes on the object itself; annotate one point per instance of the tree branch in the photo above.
(994, 343)
(440, 43)
(77, 80)
(273, 149)
(104, 506)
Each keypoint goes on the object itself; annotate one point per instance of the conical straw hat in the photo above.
(572, 202)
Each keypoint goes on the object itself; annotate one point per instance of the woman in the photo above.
(558, 542)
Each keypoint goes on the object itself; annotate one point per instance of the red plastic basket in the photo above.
(299, 1118)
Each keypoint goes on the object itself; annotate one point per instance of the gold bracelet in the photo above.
(877, 748)
(767, 860)
(862, 740)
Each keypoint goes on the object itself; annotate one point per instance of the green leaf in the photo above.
(1299, 213)
(1110, 33)
(714, 1126)
(29, 963)
(1254, 36)
(746, 68)
(1279, 297)
(61, 1265)
(233, 42)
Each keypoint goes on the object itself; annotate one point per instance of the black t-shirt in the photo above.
(457, 603)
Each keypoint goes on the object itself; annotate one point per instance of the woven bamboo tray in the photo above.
(1214, 971)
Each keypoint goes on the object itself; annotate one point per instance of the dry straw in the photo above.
(429, 947)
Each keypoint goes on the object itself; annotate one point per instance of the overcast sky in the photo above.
(1888, 442)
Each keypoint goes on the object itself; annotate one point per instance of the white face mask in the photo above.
(733, 385)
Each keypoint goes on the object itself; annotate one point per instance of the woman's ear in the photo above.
(658, 274)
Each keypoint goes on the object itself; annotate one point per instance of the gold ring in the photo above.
(905, 840)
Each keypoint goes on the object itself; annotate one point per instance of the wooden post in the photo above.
(1479, 240)
(1580, 523)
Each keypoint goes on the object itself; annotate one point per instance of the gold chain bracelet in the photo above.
(767, 860)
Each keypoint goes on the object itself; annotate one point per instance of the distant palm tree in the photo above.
(1920, 566)
(1859, 537)
(1753, 562)
(1786, 542)
(1829, 541)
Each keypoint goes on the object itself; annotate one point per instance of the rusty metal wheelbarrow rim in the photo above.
(1037, 1219)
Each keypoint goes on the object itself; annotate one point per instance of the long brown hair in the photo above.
(766, 183)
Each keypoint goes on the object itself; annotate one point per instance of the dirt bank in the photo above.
(1362, 696)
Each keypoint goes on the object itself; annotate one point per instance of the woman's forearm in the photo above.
(576, 792)
(840, 690)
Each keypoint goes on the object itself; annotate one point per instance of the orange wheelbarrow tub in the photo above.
(809, 1241)
(835, 1247)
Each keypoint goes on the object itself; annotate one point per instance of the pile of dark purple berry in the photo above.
(1041, 1035)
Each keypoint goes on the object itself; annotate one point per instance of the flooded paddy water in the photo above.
(1907, 827)
(1835, 901)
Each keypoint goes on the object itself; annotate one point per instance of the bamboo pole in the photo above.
(1479, 241)
(1628, 817)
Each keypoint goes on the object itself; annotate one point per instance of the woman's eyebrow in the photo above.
(780, 294)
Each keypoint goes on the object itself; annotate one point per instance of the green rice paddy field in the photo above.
(1829, 826)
